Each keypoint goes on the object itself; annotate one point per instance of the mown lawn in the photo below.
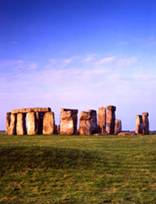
(65, 170)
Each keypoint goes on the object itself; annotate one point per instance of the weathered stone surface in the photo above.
(26, 110)
(68, 122)
(48, 123)
(11, 123)
(110, 119)
(138, 124)
(31, 123)
(145, 123)
(88, 123)
(20, 125)
(102, 120)
(118, 126)
(85, 123)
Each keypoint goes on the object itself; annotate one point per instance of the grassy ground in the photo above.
(66, 170)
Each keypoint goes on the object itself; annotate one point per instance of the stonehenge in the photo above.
(48, 123)
(107, 122)
(11, 123)
(88, 123)
(68, 121)
(138, 127)
(142, 124)
(110, 119)
(32, 121)
(20, 125)
(118, 126)
(145, 123)
(102, 120)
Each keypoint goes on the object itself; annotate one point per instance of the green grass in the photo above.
(66, 170)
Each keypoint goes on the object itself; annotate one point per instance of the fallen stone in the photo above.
(126, 133)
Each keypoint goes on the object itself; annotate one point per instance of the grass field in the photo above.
(57, 169)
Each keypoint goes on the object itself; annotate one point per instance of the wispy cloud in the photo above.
(105, 60)
(17, 65)
(92, 60)
(71, 82)
(126, 61)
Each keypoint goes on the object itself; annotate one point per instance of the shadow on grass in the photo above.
(18, 158)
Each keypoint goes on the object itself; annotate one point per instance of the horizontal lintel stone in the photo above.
(26, 110)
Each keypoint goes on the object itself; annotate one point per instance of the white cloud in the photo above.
(17, 65)
(110, 60)
(127, 61)
(105, 60)
(68, 60)
(85, 85)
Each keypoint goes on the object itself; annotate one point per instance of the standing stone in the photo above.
(102, 120)
(110, 119)
(94, 126)
(68, 122)
(88, 122)
(48, 123)
(11, 123)
(138, 124)
(31, 123)
(118, 126)
(7, 123)
(20, 125)
(145, 123)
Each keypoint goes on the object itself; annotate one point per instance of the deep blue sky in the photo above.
(40, 27)
(106, 49)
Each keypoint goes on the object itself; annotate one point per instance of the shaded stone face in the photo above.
(138, 124)
(20, 125)
(11, 119)
(102, 120)
(88, 122)
(31, 123)
(145, 123)
(118, 126)
(57, 129)
(48, 123)
(68, 122)
(39, 122)
(94, 127)
(110, 119)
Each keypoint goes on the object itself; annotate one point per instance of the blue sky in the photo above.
(79, 54)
